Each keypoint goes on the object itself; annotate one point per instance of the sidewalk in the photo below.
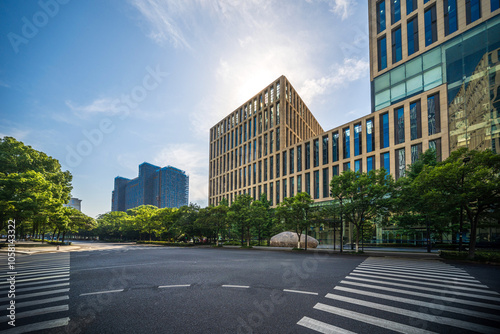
(31, 247)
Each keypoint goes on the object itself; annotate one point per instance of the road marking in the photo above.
(384, 273)
(322, 327)
(38, 326)
(174, 286)
(440, 307)
(46, 310)
(420, 294)
(304, 292)
(235, 286)
(384, 323)
(435, 268)
(446, 283)
(418, 315)
(36, 288)
(427, 289)
(36, 279)
(421, 273)
(99, 292)
(37, 294)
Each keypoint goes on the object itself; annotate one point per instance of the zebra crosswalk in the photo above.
(36, 291)
(406, 296)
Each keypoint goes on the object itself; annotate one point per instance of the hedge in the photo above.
(479, 256)
(166, 243)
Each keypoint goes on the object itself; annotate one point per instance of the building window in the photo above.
(495, 4)
(399, 125)
(335, 170)
(277, 165)
(416, 150)
(284, 188)
(395, 11)
(277, 139)
(271, 168)
(316, 152)
(308, 183)
(325, 150)
(292, 161)
(271, 192)
(299, 158)
(385, 162)
(326, 190)
(369, 164)
(347, 143)
(473, 10)
(411, 5)
(358, 139)
(260, 172)
(308, 156)
(430, 26)
(265, 170)
(316, 184)
(284, 163)
(436, 145)
(450, 16)
(277, 192)
(357, 166)
(382, 53)
(370, 142)
(433, 114)
(381, 16)
(299, 183)
(254, 173)
(400, 163)
(347, 166)
(335, 147)
(384, 134)
(292, 193)
(277, 113)
(415, 121)
(412, 32)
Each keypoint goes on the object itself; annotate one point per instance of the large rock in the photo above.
(289, 239)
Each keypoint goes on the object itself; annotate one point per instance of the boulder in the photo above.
(289, 239)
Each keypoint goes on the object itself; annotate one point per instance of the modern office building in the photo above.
(434, 71)
(166, 187)
(74, 203)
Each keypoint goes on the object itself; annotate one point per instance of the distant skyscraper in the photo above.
(74, 203)
(166, 187)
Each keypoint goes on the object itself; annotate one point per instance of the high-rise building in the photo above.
(74, 203)
(435, 82)
(166, 187)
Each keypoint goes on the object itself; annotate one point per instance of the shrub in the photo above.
(479, 256)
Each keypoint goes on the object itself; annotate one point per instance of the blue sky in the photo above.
(104, 85)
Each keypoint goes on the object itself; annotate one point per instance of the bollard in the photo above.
(57, 247)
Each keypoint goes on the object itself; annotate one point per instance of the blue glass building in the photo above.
(166, 187)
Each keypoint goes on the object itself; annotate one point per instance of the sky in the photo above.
(104, 85)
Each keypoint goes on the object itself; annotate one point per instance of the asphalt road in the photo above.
(140, 289)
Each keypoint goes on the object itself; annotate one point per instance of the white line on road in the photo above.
(417, 315)
(448, 292)
(45, 310)
(322, 327)
(384, 323)
(439, 306)
(37, 294)
(174, 286)
(425, 295)
(41, 301)
(235, 286)
(38, 326)
(304, 292)
(99, 292)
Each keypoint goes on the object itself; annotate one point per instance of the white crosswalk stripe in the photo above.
(412, 296)
(42, 285)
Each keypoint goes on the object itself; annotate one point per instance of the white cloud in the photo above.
(102, 105)
(192, 159)
(351, 70)
(343, 8)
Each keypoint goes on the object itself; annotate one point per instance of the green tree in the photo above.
(218, 218)
(112, 225)
(239, 213)
(293, 212)
(166, 221)
(466, 179)
(143, 217)
(363, 195)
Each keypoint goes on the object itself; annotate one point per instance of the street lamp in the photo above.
(460, 237)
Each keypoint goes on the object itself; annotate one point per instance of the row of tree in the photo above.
(33, 191)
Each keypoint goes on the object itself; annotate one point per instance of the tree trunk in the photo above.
(58, 234)
(248, 236)
(357, 238)
(473, 235)
(64, 232)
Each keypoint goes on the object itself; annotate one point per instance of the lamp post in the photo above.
(460, 229)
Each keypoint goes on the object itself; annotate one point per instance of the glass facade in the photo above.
(415, 121)
(316, 184)
(381, 16)
(316, 152)
(385, 161)
(472, 10)
(395, 11)
(384, 134)
(433, 115)
(397, 48)
(412, 35)
(450, 17)
(399, 126)
(347, 143)
(358, 139)
(430, 20)
(335, 147)
(400, 163)
(411, 5)
(416, 150)
(382, 53)
(308, 156)
(495, 4)
(325, 150)
(308, 183)
(357, 166)
(326, 183)
(369, 164)
(370, 139)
